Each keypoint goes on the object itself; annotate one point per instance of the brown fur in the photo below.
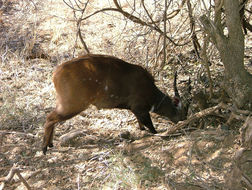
(106, 82)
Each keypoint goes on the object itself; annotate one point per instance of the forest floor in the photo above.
(35, 40)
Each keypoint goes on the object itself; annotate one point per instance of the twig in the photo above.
(22, 179)
(206, 64)
(17, 133)
(196, 116)
(135, 20)
(71, 6)
(14, 170)
(78, 20)
(34, 4)
(79, 29)
(139, 21)
(81, 38)
(195, 41)
(164, 42)
(219, 5)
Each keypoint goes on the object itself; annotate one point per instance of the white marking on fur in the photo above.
(106, 88)
(179, 106)
(152, 108)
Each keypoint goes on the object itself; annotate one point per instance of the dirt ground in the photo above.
(110, 152)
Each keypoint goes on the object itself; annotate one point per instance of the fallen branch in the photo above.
(16, 133)
(196, 116)
(67, 138)
(14, 170)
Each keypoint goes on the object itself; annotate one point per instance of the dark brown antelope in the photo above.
(107, 82)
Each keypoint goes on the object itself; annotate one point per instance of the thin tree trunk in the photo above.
(238, 82)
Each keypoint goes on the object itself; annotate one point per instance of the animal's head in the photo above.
(175, 108)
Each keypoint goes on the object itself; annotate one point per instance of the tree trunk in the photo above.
(237, 81)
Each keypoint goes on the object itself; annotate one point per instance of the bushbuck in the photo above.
(107, 82)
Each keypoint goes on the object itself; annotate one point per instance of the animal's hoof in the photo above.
(44, 150)
(153, 131)
(50, 145)
(142, 128)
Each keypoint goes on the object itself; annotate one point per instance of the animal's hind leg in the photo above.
(53, 118)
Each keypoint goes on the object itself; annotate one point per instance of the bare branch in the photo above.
(195, 41)
(214, 32)
(170, 16)
(71, 6)
(79, 29)
(164, 42)
(17, 133)
(196, 116)
(148, 14)
(219, 5)
(82, 41)
(99, 11)
(139, 21)
(245, 24)
(78, 20)
(206, 64)
(78, 5)
(133, 19)
(14, 170)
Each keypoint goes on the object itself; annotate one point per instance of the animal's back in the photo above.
(104, 81)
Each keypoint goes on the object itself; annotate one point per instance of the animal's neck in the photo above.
(159, 100)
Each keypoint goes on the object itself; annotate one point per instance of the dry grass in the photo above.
(38, 35)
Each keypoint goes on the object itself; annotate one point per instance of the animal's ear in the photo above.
(177, 102)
